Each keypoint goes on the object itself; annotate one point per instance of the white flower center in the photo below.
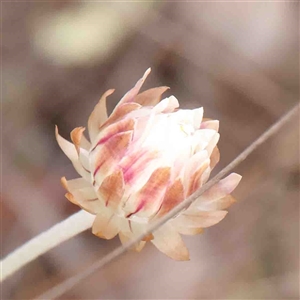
(172, 138)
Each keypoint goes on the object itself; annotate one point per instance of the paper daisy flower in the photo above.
(140, 162)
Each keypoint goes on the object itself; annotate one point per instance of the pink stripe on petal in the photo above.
(148, 200)
(135, 164)
(109, 154)
(152, 193)
(118, 127)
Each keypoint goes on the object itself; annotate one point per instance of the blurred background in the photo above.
(239, 60)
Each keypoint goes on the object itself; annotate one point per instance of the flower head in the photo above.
(143, 160)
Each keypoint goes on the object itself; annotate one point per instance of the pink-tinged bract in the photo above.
(140, 162)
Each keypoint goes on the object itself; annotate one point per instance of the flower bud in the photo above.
(140, 162)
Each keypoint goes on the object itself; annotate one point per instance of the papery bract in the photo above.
(143, 160)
